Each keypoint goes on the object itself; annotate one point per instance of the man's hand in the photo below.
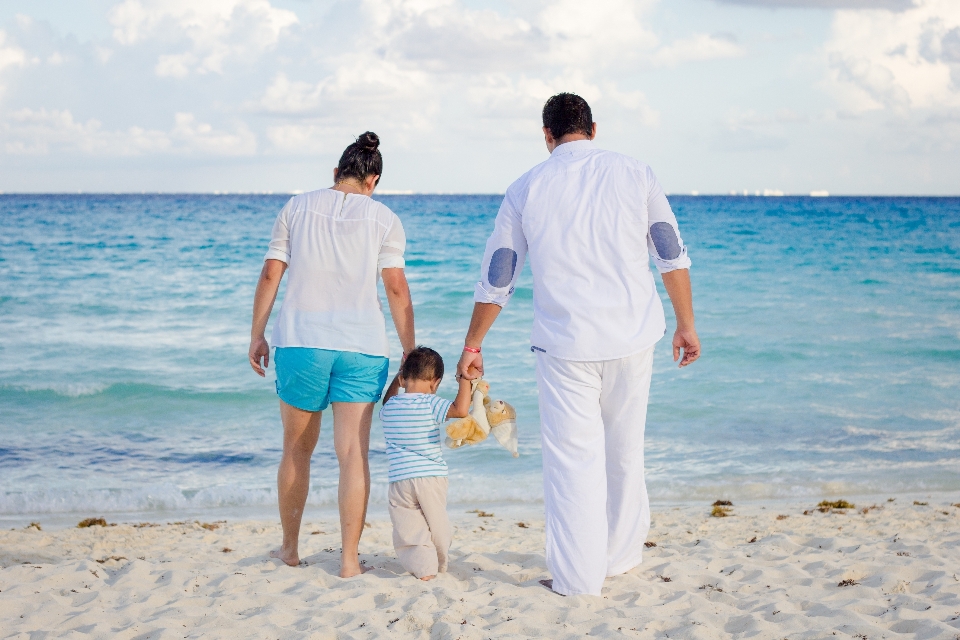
(259, 349)
(470, 365)
(688, 341)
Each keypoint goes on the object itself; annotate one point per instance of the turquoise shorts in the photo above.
(310, 379)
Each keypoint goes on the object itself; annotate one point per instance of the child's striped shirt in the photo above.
(411, 428)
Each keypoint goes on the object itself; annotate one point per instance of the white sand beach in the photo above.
(766, 572)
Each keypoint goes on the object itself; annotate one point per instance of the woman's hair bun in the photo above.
(368, 141)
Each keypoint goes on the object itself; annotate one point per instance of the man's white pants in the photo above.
(592, 418)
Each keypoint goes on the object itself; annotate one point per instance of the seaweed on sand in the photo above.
(91, 522)
(827, 505)
(720, 512)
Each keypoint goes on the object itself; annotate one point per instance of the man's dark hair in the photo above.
(423, 363)
(361, 159)
(567, 113)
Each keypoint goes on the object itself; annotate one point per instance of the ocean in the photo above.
(830, 329)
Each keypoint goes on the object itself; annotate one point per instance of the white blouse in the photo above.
(335, 245)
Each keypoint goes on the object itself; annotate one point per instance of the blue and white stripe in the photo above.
(411, 428)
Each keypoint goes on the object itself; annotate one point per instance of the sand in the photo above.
(753, 574)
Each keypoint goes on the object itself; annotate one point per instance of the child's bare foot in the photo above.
(425, 578)
(288, 557)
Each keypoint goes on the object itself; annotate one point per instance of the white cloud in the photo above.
(201, 137)
(410, 58)
(698, 47)
(42, 131)
(214, 29)
(10, 54)
(897, 60)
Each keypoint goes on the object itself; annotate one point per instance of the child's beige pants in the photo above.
(421, 529)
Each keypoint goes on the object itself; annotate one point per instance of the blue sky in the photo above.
(849, 96)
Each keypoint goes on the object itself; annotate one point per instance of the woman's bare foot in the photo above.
(353, 570)
(292, 559)
(425, 578)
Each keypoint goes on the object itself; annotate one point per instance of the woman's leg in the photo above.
(301, 429)
(351, 440)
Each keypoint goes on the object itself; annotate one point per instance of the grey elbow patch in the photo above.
(665, 240)
(503, 264)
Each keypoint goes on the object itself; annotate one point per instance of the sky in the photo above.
(846, 96)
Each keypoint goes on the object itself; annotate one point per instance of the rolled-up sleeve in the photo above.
(663, 235)
(504, 256)
(280, 236)
(393, 246)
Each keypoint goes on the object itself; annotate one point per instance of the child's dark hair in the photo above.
(423, 363)
(361, 159)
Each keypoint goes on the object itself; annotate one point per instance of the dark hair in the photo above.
(567, 113)
(361, 159)
(423, 363)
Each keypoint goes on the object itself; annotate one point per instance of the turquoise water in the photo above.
(831, 330)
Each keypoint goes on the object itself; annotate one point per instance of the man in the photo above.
(588, 218)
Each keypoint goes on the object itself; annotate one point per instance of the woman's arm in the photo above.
(263, 300)
(461, 406)
(401, 306)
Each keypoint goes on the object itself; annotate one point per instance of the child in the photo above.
(418, 474)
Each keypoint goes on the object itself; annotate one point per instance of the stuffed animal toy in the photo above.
(485, 417)
(474, 428)
(503, 425)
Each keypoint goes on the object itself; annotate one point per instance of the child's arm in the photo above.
(393, 389)
(461, 406)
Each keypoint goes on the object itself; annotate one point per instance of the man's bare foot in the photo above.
(292, 559)
(425, 578)
(549, 585)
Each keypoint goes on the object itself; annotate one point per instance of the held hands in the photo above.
(259, 349)
(689, 342)
(470, 365)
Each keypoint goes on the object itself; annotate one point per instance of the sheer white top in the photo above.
(335, 245)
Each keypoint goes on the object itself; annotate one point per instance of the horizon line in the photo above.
(397, 192)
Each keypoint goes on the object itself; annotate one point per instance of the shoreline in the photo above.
(56, 521)
(894, 569)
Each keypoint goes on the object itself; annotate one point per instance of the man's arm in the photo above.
(401, 306)
(685, 338)
(263, 300)
(461, 406)
(484, 315)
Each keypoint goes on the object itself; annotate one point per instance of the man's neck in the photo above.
(570, 137)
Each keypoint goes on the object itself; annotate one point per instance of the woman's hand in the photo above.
(259, 349)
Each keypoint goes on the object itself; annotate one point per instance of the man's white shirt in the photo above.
(588, 219)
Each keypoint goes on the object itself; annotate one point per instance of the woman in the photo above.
(330, 335)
